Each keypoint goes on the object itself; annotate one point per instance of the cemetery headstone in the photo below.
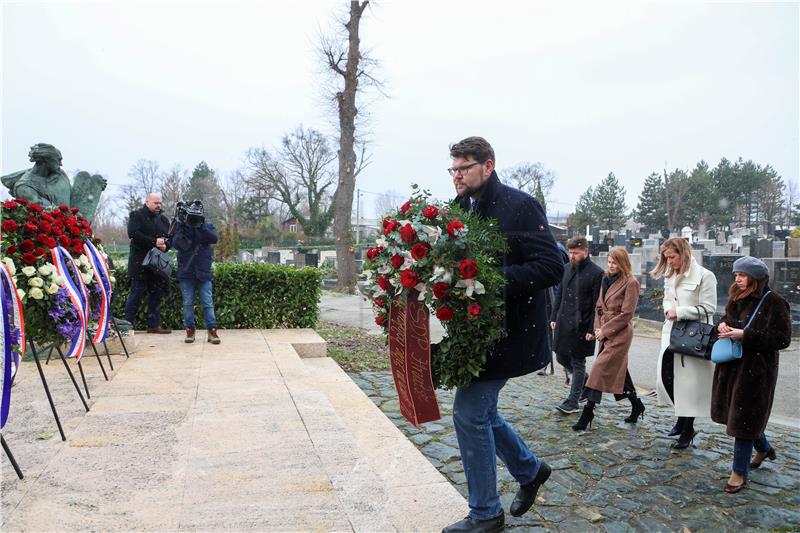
(793, 247)
(596, 234)
(312, 260)
(274, 258)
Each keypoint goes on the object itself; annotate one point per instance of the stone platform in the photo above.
(244, 436)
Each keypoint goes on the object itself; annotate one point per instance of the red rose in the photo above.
(379, 301)
(389, 226)
(383, 283)
(21, 201)
(11, 249)
(65, 242)
(45, 226)
(51, 242)
(420, 250)
(454, 226)
(77, 249)
(55, 212)
(64, 207)
(75, 230)
(75, 210)
(47, 217)
(380, 320)
(468, 268)
(76, 242)
(39, 251)
(29, 259)
(430, 212)
(406, 207)
(71, 221)
(408, 234)
(373, 253)
(444, 313)
(57, 230)
(397, 260)
(30, 227)
(42, 238)
(441, 289)
(473, 310)
(409, 279)
(27, 245)
(34, 208)
(9, 226)
(11, 204)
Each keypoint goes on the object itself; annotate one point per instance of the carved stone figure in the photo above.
(48, 185)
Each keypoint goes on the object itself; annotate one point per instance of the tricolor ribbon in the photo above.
(12, 317)
(77, 295)
(103, 278)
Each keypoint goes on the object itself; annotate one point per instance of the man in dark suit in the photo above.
(572, 318)
(147, 228)
(531, 264)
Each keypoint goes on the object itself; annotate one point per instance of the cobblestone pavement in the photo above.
(616, 477)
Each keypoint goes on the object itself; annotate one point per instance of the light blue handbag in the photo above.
(726, 350)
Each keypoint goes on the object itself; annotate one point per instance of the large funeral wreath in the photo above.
(448, 258)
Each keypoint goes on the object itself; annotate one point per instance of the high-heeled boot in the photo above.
(586, 417)
(637, 410)
(678, 427)
(687, 435)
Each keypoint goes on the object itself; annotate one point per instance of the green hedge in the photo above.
(246, 295)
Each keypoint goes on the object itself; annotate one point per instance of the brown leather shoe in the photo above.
(212, 336)
(189, 335)
(160, 329)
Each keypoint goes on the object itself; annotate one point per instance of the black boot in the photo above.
(687, 434)
(526, 495)
(473, 525)
(637, 410)
(586, 417)
(678, 427)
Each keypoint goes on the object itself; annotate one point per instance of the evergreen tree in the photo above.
(204, 186)
(235, 243)
(651, 210)
(538, 193)
(609, 203)
(584, 211)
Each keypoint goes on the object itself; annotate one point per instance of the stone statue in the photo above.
(46, 184)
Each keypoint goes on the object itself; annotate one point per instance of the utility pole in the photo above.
(358, 215)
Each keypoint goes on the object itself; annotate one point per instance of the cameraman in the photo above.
(147, 228)
(193, 239)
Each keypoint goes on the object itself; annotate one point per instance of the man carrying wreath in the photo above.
(530, 265)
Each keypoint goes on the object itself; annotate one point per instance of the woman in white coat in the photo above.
(689, 292)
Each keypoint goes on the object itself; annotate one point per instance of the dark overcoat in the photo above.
(614, 317)
(743, 390)
(531, 264)
(144, 227)
(194, 251)
(573, 310)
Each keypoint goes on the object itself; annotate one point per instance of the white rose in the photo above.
(35, 282)
(113, 280)
(21, 294)
(83, 260)
(52, 289)
(60, 281)
(10, 264)
(87, 278)
(36, 293)
(28, 271)
(46, 269)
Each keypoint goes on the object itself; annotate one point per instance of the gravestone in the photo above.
(760, 248)
(596, 234)
(257, 254)
(245, 257)
(596, 248)
(779, 249)
(722, 267)
(707, 244)
(793, 247)
(620, 240)
(636, 263)
(312, 260)
(299, 260)
(274, 258)
(698, 256)
(600, 260)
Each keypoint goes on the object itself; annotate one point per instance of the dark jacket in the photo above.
(573, 310)
(531, 265)
(743, 390)
(194, 251)
(144, 227)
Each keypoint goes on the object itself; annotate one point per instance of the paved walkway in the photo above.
(245, 436)
(617, 477)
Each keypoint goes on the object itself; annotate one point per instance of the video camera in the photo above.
(190, 214)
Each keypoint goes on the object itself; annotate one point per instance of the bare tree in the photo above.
(235, 190)
(173, 189)
(299, 175)
(144, 178)
(532, 178)
(792, 194)
(387, 202)
(350, 69)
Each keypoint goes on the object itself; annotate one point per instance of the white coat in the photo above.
(693, 376)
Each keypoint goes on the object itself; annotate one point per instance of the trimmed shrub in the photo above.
(246, 295)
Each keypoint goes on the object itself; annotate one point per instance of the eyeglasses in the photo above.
(461, 170)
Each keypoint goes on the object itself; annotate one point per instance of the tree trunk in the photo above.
(346, 101)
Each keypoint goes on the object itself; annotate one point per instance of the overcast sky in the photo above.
(584, 88)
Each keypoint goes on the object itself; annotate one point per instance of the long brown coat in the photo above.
(614, 317)
(743, 390)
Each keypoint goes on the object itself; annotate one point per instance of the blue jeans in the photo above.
(204, 290)
(482, 433)
(743, 450)
(140, 287)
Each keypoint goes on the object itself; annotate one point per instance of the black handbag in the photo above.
(158, 263)
(694, 338)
